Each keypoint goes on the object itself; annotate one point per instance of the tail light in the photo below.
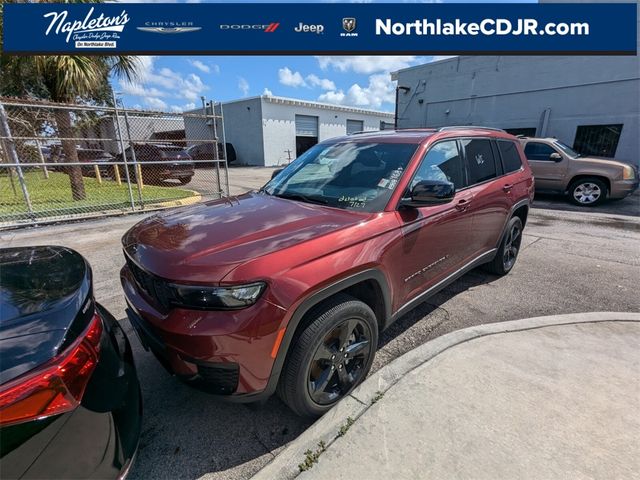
(55, 387)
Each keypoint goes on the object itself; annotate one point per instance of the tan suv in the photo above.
(587, 180)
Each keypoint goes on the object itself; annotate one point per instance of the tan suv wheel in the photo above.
(588, 192)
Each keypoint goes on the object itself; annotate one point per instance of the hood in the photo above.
(203, 243)
(602, 162)
(45, 300)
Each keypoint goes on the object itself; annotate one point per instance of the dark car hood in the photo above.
(45, 294)
(203, 243)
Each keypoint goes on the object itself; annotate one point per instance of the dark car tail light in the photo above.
(55, 387)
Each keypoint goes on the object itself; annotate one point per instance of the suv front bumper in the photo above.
(623, 188)
(223, 352)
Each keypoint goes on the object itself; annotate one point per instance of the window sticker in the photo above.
(353, 202)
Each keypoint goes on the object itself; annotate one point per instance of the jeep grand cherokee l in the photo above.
(286, 289)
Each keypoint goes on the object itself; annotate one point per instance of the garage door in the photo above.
(354, 126)
(306, 126)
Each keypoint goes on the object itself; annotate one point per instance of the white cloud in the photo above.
(289, 78)
(267, 92)
(323, 83)
(139, 90)
(155, 103)
(295, 79)
(186, 106)
(333, 97)
(367, 64)
(243, 85)
(203, 67)
(379, 91)
(163, 82)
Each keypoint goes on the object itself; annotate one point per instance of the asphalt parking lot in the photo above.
(571, 261)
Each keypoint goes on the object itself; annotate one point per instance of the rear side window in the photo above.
(510, 157)
(480, 160)
(539, 151)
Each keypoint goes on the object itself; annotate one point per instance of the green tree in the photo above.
(65, 78)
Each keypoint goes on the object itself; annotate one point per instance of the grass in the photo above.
(377, 397)
(52, 196)
(311, 457)
(345, 427)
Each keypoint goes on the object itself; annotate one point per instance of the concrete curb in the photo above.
(324, 431)
(177, 203)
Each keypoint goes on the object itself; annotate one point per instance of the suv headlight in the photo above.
(628, 173)
(217, 298)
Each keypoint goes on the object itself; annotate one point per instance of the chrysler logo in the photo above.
(169, 29)
(349, 24)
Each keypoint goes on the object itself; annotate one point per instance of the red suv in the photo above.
(286, 289)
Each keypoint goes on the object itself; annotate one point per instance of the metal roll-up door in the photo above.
(354, 126)
(306, 126)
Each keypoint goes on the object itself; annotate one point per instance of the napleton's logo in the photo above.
(94, 28)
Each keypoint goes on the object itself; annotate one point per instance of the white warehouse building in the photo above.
(271, 131)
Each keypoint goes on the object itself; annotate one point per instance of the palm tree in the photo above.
(69, 78)
(65, 78)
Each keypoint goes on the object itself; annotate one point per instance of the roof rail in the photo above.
(362, 131)
(468, 127)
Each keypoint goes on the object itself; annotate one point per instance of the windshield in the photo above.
(350, 175)
(566, 149)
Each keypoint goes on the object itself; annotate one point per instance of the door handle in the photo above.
(507, 187)
(463, 204)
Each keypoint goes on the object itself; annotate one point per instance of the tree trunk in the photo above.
(63, 121)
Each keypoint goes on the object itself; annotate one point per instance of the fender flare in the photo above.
(514, 207)
(312, 300)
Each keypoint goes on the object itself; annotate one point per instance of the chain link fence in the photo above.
(63, 161)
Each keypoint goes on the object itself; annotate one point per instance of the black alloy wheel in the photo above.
(512, 246)
(329, 356)
(339, 362)
(508, 250)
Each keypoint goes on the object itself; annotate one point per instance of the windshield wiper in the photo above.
(303, 198)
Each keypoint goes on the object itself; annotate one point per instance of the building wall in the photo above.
(278, 123)
(515, 92)
(242, 128)
(263, 132)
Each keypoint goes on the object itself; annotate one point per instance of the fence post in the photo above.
(42, 160)
(13, 156)
(215, 155)
(124, 153)
(224, 149)
(137, 169)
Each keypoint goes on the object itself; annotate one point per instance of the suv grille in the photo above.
(157, 288)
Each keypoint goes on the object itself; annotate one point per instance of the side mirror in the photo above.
(276, 173)
(430, 192)
(555, 157)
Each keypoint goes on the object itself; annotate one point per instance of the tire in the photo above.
(184, 180)
(315, 356)
(588, 192)
(509, 248)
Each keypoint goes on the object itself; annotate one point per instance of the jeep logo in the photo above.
(304, 28)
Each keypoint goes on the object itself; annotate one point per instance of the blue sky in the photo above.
(177, 82)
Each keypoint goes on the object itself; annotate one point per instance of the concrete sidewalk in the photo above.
(549, 397)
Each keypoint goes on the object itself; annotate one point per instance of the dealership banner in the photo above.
(313, 28)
